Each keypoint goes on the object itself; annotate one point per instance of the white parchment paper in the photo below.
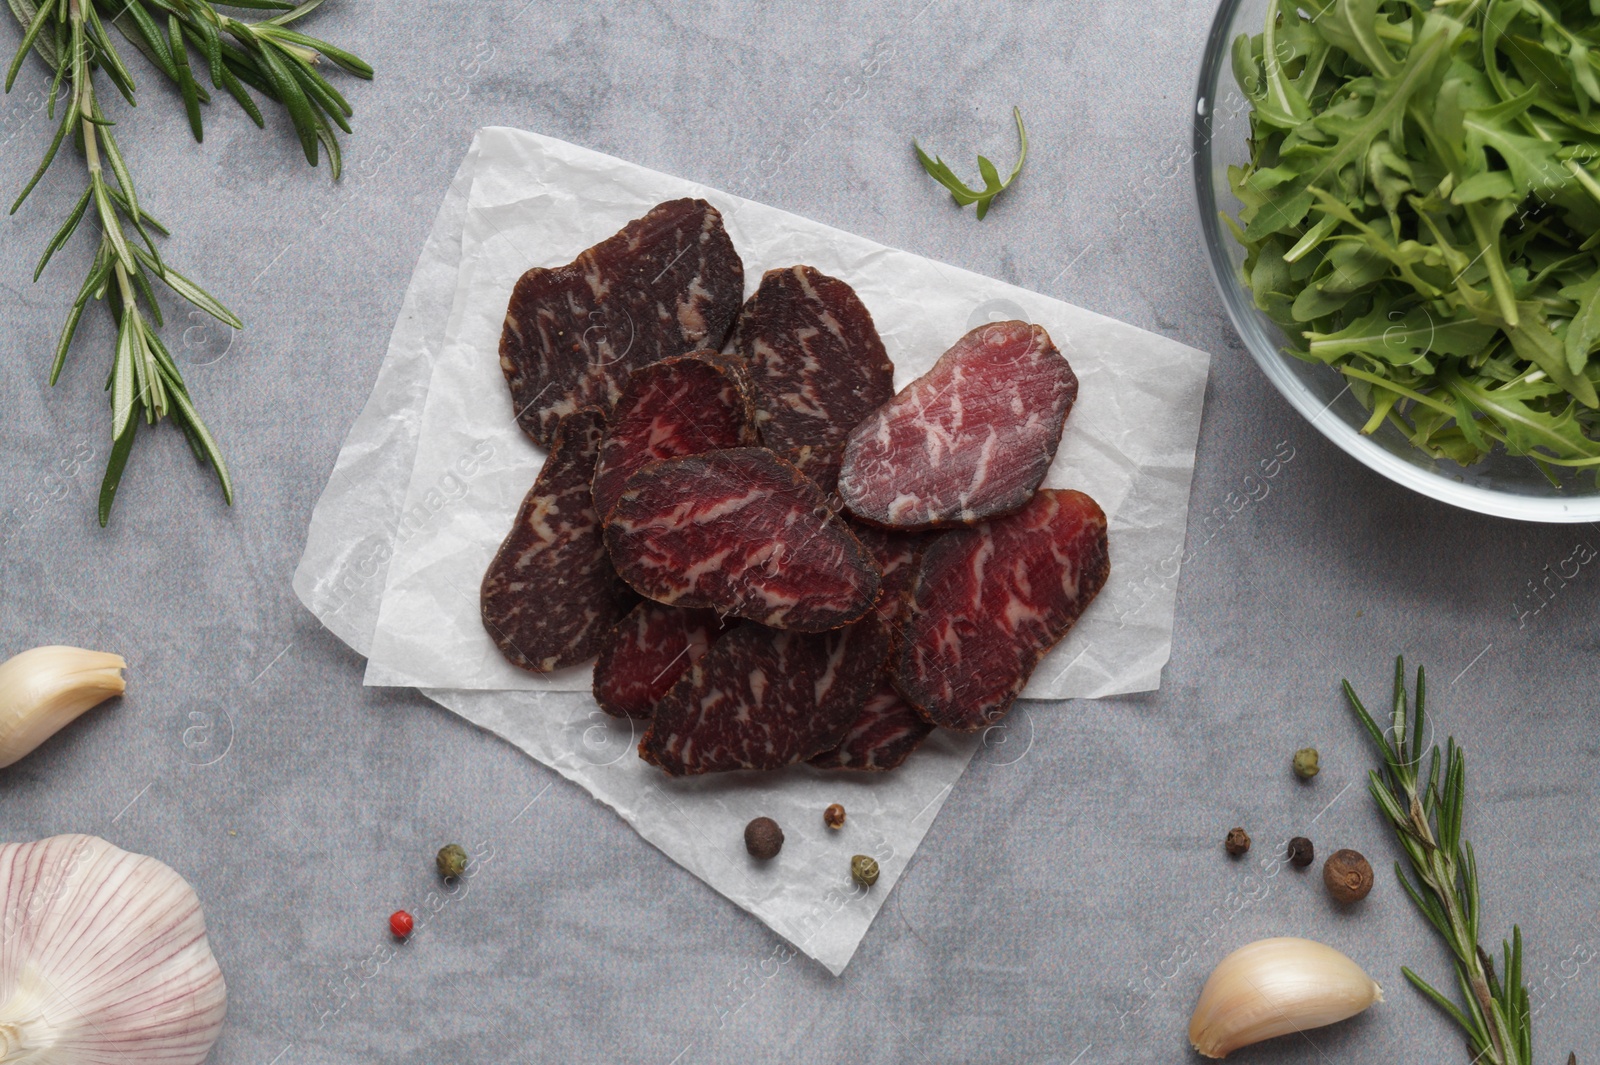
(434, 468)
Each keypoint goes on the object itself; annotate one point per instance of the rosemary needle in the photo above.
(280, 63)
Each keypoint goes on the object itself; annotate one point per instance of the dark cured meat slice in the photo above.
(744, 533)
(815, 358)
(668, 283)
(897, 555)
(550, 595)
(991, 600)
(969, 440)
(821, 467)
(761, 699)
(686, 405)
(646, 653)
(884, 734)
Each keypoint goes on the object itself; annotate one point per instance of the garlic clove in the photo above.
(44, 689)
(104, 958)
(1275, 987)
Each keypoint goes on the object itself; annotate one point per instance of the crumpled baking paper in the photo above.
(433, 471)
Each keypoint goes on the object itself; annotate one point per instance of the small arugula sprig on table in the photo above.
(992, 185)
(1427, 813)
(1422, 211)
(280, 63)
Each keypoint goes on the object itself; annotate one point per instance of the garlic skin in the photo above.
(1275, 987)
(103, 959)
(46, 688)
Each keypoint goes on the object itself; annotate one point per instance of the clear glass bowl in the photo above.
(1500, 485)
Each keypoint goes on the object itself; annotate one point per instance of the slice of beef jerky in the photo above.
(686, 405)
(969, 440)
(761, 699)
(668, 283)
(898, 555)
(645, 654)
(991, 600)
(550, 595)
(741, 532)
(815, 357)
(821, 467)
(883, 735)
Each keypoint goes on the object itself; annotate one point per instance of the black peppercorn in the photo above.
(763, 838)
(1238, 841)
(1347, 875)
(1301, 853)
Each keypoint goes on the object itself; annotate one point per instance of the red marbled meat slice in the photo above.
(668, 283)
(686, 405)
(550, 595)
(882, 736)
(741, 532)
(821, 467)
(897, 555)
(991, 600)
(646, 653)
(761, 699)
(815, 357)
(971, 439)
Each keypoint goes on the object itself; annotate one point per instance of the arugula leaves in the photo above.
(992, 185)
(1421, 210)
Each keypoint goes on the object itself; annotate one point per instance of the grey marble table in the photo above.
(1073, 894)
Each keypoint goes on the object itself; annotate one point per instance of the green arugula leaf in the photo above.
(992, 185)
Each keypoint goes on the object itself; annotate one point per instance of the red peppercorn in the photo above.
(400, 923)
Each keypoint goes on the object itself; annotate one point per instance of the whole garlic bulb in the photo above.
(1275, 987)
(103, 958)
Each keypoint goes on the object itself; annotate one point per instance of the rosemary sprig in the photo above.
(992, 185)
(72, 39)
(1427, 813)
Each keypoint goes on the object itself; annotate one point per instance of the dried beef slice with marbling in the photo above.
(885, 732)
(761, 699)
(969, 440)
(668, 283)
(886, 729)
(815, 358)
(551, 595)
(741, 532)
(686, 405)
(645, 654)
(989, 601)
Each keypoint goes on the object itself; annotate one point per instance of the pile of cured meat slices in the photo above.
(772, 556)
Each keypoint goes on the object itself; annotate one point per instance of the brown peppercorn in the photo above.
(1347, 875)
(763, 838)
(863, 870)
(833, 816)
(1238, 841)
(1301, 853)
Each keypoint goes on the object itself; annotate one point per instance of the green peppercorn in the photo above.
(451, 860)
(863, 870)
(1306, 763)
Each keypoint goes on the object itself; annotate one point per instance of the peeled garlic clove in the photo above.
(44, 689)
(103, 958)
(1275, 987)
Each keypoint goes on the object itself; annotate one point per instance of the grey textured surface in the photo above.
(1071, 897)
